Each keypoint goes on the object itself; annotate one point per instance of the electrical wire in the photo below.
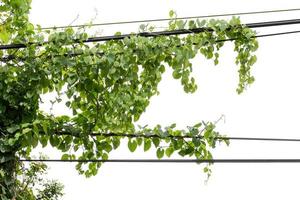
(157, 33)
(263, 160)
(190, 137)
(168, 19)
(261, 139)
(11, 57)
(276, 34)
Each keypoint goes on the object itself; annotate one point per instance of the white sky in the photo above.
(269, 108)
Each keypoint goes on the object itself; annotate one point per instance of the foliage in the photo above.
(14, 21)
(32, 185)
(108, 86)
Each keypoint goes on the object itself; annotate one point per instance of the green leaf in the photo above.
(35, 129)
(176, 74)
(147, 144)
(160, 153)
(205, 169)
(104, 156)
(135, 69)
(132, 145)
(11, 141)
(162, 69)
(192, 24)
(68, 104)
(65, 157)
(200, 23)
(169, 151)
(45, 127)
(198, 125)
(252, 60)
(180, 24)
(26, 130)
(4, 35)
(34, 141)
(43, 141)
(106, 146)
(13, 128)
(207, 134)
(116, 142)
(54, 141)
(172, 13)
(139, 141)
(227, 141)
(172, 126)
(234, 21)
(182, 153)
(196, 141)
(156, 141)
(110, 58)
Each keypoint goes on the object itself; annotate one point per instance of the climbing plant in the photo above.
(108, 85)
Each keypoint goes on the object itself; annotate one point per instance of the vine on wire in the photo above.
(108, 86)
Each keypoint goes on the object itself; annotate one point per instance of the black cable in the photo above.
(158, 33)
(190, 137)
(276, 34)
(273, 23)
(263, 35)
(168, 19)
(11, 57)
(261, 139)
(263, 160)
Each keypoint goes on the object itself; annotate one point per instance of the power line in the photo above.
(276, 34)
(262, 139)
(186, 137)
(11, 57)
(158, 33)
(168, 19)
(264, 35)
(263, 160)
(191, 137)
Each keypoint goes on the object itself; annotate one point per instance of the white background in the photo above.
(269, 108)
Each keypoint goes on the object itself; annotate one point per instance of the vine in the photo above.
(108, 86)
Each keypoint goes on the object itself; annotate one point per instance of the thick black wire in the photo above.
(11, 57)
(158, 33)
(263, 160)
(168, 19)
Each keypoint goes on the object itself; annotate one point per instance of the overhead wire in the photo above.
(157, 33)
(11, 57)
(261, 160)
(177, 18)
(191, 137)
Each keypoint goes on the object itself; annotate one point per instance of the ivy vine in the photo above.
(108, 86)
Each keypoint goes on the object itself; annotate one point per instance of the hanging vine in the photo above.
(108, 86)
